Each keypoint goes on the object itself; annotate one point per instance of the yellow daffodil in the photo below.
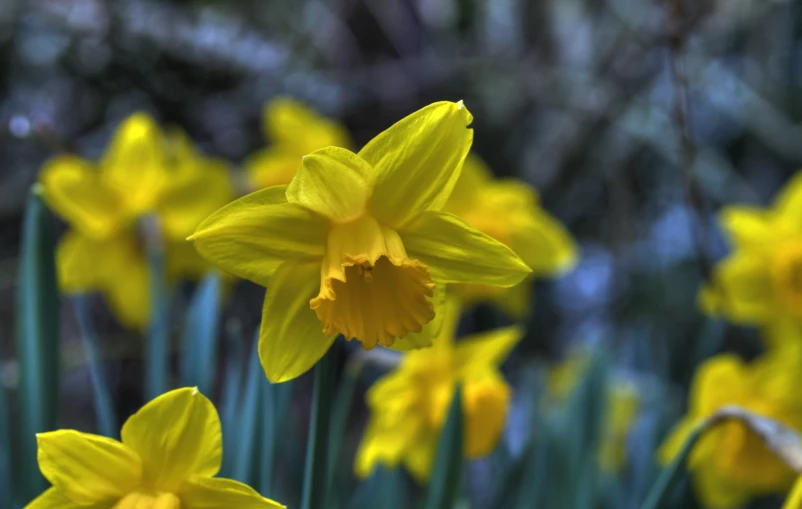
(760, 282)
(409, 406)
(293, 130)
(171, 450)
(508, 211)
(144, 171)
(356, 245)
(730, 463)
(621, 408)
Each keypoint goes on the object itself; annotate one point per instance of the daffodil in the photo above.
(171, 450)
(293, 130)
(144, 171)
(409, 406)
(508, 210)
(730, 464)
(356, 244)
(622, 406)
(760, 282)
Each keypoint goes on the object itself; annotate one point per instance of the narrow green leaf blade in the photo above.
(232, 387)
(201, 335)
(5, 452)
(157, 346)
(315, 475)
(446, 477)
(249, 418)
(38, 349)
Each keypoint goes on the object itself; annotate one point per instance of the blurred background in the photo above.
(635, 121)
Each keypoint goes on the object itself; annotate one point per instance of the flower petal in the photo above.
(77, 263)
(177, 435)
(135, 162)
(55, 499)
(126, 281)
(88, 468)
(291, 340)
(545, 245)
(418, 161)
(252, 236)
(741, 289)
(216, 493)
(487, 348)
(272, 166)
(72, 189)
(486, 403)
(456, 253)
(299, 129)
(794, 500)
(334, 182)
(750, 227)
(431, 330)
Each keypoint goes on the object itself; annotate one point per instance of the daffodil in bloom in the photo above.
(622, 407)
(144, 171)
(356, 245)
(760, 282)
(293, 130)
(508, 210)
(409, 406)
(730, 464)
(171, 450)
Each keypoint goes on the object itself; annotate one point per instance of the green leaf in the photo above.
(200, 335)
(106, 419)
(249, 419)
(229, 414)
(38, 349)
(5, 451)
(339, 423)
(275, 402)
(446, 477)
(157, 347)
(315, 475)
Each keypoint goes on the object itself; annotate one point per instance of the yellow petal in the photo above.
(77, 258)
(486, 403)
(183, 262)
(291, 338)
(741, 289)
(545, 245)
(789, 202)
(135, 162)
(439, 325)
(252, 236)
(300, 130)
(718, 381)
(177, 435)
(73, 190)
(54, 499)
(418, 161)
(456, 253)
(515, 301)
(187, 201)
(794, 500)
(419, 457)
(487, 348)
(126, 281)
(272, 166)
(217, 493)
(715, 492)
(333, 182)
(749, 227)
(88, 468)
(474, 177)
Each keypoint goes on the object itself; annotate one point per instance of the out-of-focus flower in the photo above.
(730, 463)
(409, 406)
(293, 130)
(356, 245)
(171, 450)
(508, 211)
(621, 408)
(760, 282)
(144, 171)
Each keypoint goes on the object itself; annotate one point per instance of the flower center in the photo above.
(787, 276)
(370, 290)
(139, 500)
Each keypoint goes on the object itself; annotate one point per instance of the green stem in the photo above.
(157, 346)
(315, 478)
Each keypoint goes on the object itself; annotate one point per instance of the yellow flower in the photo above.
(760, 282)
(409, 406)
(356, 245)
(621, 408)
(730, 463)
(143, 171)
(171, 450)
(293, 131)
(508, 210)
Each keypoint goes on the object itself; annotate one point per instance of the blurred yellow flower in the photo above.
(730, 463)
(356, 245)
(794, 500)
(508, 211)
(293, 130)
(171, 450)
(760, 282)
(621, 408)
(409, 406)
(143, 171)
